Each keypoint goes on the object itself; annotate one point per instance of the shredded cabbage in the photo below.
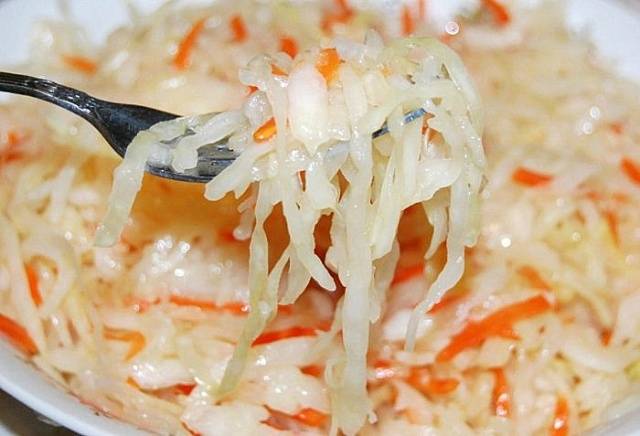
(364, 192)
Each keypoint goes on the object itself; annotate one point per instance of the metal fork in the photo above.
(119, 123)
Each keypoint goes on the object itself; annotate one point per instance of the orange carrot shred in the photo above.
(17, 335)
(328, 63)
(251, 89)
(131, 382)
(14, 138)
(408, 25)
(560, 423)
(80, 63)
(238, 28)
(182, 59)
(291, 332)
(383, 370)
(421, 379)
(422, 9)
(533, 277)
(189, 430)
(312, 370)
(265, 131)
(531, 178)
(310, 417)
(140, 305)
(343, 6)
(136, 339)
(289, 46)
(605, 337)
(235, 307)
(343, 15)
(507, 332)
(227, 236)
(446, 302)
(499, 323)
(12, 151)
(612, 221)
(500, 13)
(617, 128)
(631, 169)
(185, 389)
(501, 399)
(330, 20)
(34, 285)
(277, 71)
(405, 274)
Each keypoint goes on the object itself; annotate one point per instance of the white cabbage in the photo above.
(365, 215)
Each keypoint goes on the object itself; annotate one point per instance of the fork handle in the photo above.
(118, 123)
(78, 102)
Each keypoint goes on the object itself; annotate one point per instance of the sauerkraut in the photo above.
(362, 185)
(337, 282)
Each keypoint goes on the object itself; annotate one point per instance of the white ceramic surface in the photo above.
(613, 25)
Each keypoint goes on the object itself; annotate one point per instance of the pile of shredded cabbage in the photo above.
(323, 161)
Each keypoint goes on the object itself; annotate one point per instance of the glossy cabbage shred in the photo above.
(362, 184)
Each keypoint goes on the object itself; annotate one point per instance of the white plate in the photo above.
(614, 27)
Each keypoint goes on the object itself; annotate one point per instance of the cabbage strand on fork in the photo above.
(304, 138)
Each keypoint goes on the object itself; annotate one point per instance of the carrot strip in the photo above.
(184, 389)
(313, 370)
(408, 25)
(531, 178)
(560, 424)
(12, 151)
(421, 379)
(310, 417)
(14, 138)
(238, 28)
(179, 389)
(405, 274)
(34, 285)
(328, 63)
(227, 235)
(422, 9)
(182, 59)
(289, 46)
(501, 400)
(631, 169)
(235, 307)
(265, 131)
(191, 432)
(500, 13)
(140, 306)
(80, 63)
(534, 277)
(605, 337)
(343, 6)
(617, 128)
(383, 370)
(131, 382)
(343, 15)
(277, 71)
(499, 323)
(446, 301)
(185, 301)
(291, 332)
(17, 335)
(612, 221)
(136, 339)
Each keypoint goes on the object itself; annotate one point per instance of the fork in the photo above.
(119, 123)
